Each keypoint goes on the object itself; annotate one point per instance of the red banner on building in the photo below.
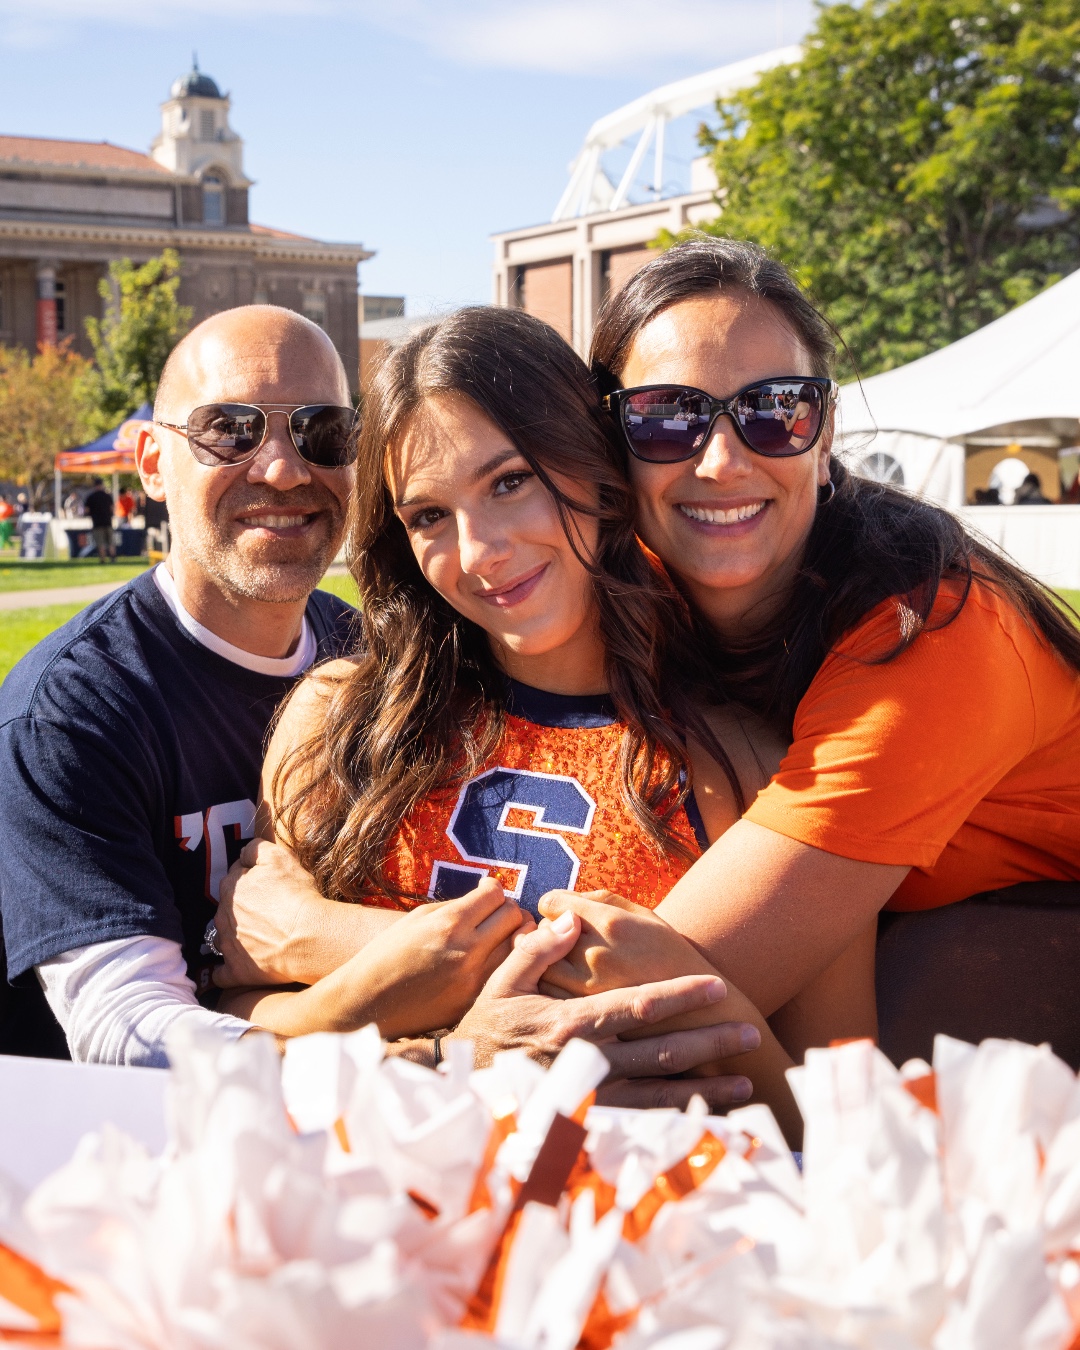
(46, 323)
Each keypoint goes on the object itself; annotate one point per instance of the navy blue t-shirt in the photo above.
(129, 767)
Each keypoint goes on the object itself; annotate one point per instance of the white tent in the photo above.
(1023, 366)
(1014, 383)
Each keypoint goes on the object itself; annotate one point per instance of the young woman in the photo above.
(524, 708)
(929, 688)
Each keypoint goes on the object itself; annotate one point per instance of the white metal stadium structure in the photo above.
(589, 190)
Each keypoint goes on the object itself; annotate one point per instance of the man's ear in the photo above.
(148, 462)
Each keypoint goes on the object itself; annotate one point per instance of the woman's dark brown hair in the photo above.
(422, 710)
(869, 543)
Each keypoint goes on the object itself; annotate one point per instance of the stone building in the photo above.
(69, 208)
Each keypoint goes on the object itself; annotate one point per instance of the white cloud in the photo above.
(602, 37)
(577, 37)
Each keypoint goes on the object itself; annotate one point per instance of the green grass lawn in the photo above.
(21, 629)
(17, 575)
(1072, 597)
(344, 586)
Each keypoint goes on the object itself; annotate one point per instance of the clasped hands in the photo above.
(458, 961)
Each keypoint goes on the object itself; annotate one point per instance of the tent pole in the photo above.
(58, 492)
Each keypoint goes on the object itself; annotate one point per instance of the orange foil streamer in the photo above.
(28, 1287)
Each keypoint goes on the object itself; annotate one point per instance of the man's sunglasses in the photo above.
(222, 434)
(778, 417)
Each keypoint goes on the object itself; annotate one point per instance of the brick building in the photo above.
(69, 208)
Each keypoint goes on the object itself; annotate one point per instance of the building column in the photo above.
(46, 305)
(585, 288)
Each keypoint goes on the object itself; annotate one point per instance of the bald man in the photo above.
(131, 739)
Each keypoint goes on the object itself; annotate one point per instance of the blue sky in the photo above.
(417, 127)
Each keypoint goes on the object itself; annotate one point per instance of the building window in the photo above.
(206, 124)
(315, 307)
(213, 212)
(61, 307)
(383, 307)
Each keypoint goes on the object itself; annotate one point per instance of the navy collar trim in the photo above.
(558, 710)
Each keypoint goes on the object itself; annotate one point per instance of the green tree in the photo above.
(142, 324)
(47, 404)
(919, 168)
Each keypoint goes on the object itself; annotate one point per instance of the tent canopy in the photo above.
(1023, 367)
(112, 453)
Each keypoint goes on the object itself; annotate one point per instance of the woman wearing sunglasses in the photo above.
(929, 688)
(525, 707)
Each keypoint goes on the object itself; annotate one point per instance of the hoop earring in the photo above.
(824, 501)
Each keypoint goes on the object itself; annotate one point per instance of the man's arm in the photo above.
(274, 927)
(80, 867)
(117, 1001)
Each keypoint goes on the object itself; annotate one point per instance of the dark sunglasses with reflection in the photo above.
(223, 434)
(778, 417)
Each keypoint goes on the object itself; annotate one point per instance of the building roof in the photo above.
(41, 151)
(195, 82)
(279, 234)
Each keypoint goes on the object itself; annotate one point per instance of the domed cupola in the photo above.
(194, 82)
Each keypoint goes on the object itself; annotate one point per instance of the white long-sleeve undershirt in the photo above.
(117, 1001)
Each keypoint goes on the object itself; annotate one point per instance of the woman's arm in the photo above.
(623, 942)
(421, 974)
(840, 1004)
(773, 913)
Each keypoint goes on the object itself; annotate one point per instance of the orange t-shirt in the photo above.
(960, 758)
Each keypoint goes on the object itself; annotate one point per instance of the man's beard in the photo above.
(290, 568)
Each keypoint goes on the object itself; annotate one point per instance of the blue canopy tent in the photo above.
(112, 453)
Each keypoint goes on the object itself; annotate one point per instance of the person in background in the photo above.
(125, 506)
(1030, 492)
(155, 516)
(7, 522)
(99, 507)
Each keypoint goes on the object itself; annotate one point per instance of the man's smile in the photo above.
(279, 523)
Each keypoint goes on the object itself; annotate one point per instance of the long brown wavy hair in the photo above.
(422, 710)
(870, 543)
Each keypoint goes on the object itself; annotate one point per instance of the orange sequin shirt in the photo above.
(546, 813)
